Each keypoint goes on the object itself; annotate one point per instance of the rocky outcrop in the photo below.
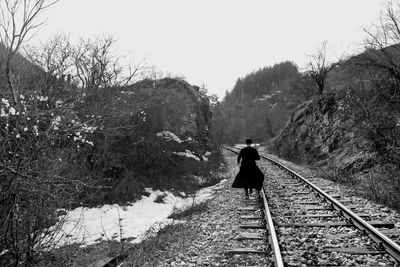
(318, 134)
(175, 106)
(150, 134)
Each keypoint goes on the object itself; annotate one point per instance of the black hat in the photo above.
(249, 141)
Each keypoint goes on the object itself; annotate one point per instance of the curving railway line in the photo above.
(306, 225)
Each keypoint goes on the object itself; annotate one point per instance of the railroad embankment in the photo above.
(318, 134)
(351, 137)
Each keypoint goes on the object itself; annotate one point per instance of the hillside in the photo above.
(258, 105)
(26, 74)
(352, 132)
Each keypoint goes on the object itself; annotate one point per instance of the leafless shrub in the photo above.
(319, 67)
(337, 174)
(97, 66)
(383, 43)
(18, 23)
(90, 63)
(381, 184)
(373, 102)
(41, 171)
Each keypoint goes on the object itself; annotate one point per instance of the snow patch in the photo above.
(90, 225)
(168, 136)
(187, 154)
(267, 96)
(127, 92)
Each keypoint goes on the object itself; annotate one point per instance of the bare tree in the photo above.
(383, 42)
(18, 23)
(89, 63)
(97, 66)
(319, 67)
(54, 56)
(37, 148)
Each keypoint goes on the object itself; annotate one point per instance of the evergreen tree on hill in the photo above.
(258, 105)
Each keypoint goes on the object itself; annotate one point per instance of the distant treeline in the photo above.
(258, 105)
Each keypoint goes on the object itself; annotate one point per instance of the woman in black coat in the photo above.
(249, 176)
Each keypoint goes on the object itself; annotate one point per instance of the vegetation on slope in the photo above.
(353, 130)
(81, 132)
(258, 106)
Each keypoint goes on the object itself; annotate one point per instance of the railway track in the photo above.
(307, 224)
(302, 222)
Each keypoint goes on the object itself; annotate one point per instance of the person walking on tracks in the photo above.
(250, 176)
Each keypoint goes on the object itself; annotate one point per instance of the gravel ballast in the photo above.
(205, 236)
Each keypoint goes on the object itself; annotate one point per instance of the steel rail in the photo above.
(270, 227)
(382, 240)
(273, 238)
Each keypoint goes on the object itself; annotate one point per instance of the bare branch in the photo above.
(19, 20)
(319, 68)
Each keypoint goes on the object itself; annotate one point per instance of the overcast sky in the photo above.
(214, 42)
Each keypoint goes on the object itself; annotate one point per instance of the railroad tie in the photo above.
(102, 262)
(320, 202)
(250, 235)
(318, 208)
(336, 224)
(249, 208)
(310, 203)
(321, 216)
(391, 232)
(354, 234)
(250, 202)
(246, 251)
(301, 193)
(251, 217)
(253, 225)
(329, 191)
(356, 250)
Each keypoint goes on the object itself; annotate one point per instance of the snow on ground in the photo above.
(168, 136)
(187, 154)
(89, 225)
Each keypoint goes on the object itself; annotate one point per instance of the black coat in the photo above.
(249, 175)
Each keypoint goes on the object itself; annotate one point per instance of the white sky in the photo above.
(217, 41)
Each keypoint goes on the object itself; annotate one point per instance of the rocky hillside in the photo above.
(319, 135)
(352, 124)
(179, 107)
(151, 134)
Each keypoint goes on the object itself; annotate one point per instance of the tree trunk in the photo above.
(9, 82)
